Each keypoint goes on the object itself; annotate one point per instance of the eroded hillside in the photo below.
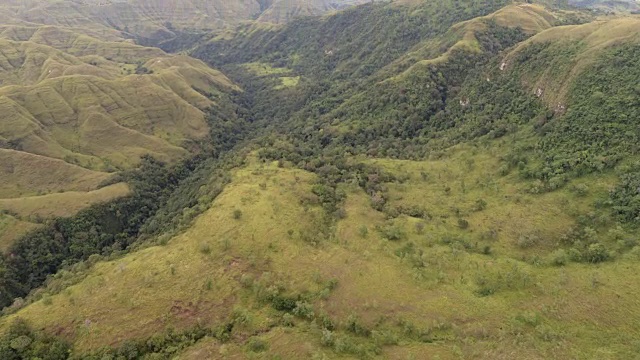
(79, 108)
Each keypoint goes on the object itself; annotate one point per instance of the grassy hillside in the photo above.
(61, 204)
(25, 174)
(159, 20)
(413, 284)
(583, 45)
(76, 108)
(418, 179)
(608, 5)
(283, 11)
(11, 229)
(107, 108)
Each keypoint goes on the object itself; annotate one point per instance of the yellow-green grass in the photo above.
(455, 185)
(144, 19)
(11, 229)
(287, 82)
(74, 107)
(63, 203)
(532, 18)
(205, 274)
(264, 69)
(61, 102)
(151, 18)
(147, 291)
(595, 38)
(282, 11)
(53, 52)
(24, 174)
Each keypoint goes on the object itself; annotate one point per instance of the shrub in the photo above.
(287, 320)
(205, 249)
(363, 231)
(326, 322)
(327, 339)
(480, 205)
(559, 258)
(20, 342)
(354, 326)
(393, 233)
(596, 253)
(283, 303)
(528, 240)
(256, 344)
(463, 224)
(580, 190)
(304, 310)
(237, 214)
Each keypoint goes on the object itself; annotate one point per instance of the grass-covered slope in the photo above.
(378, 288)
(459, 188)
(113, 106)
(24, 174)
(158, 20)
(283, 11)
(76, 108)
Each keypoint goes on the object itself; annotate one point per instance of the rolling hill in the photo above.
(615, 5)
(79, 108)
(451, 179)
(158, 20)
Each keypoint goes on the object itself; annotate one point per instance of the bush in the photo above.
(288, 320)
(393, 233)
(354, 326)
(463, 224)
(304, 310)
(480, 205)
(596, 253)
(528, 240)
(237, 214)
(21, 342)
(580, 190)
(205, 249)
(363, 231)
(559, 258)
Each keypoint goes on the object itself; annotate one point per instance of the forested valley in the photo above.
(452, 179)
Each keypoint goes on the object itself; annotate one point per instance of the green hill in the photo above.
(75, 109)
(452, 179)
(160, 19)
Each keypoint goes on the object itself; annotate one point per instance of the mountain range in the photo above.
(380, 180)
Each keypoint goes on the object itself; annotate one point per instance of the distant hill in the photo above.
(416, 179)
(618, 5)
(159, 19)
(75, 108)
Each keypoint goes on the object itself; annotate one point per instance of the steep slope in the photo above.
(282, 11)
(58, 81)
(155, 20)
(616, 5)
(425, 179)
(265, 282)
(77, 108)
(27, 174)
(584, 45)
